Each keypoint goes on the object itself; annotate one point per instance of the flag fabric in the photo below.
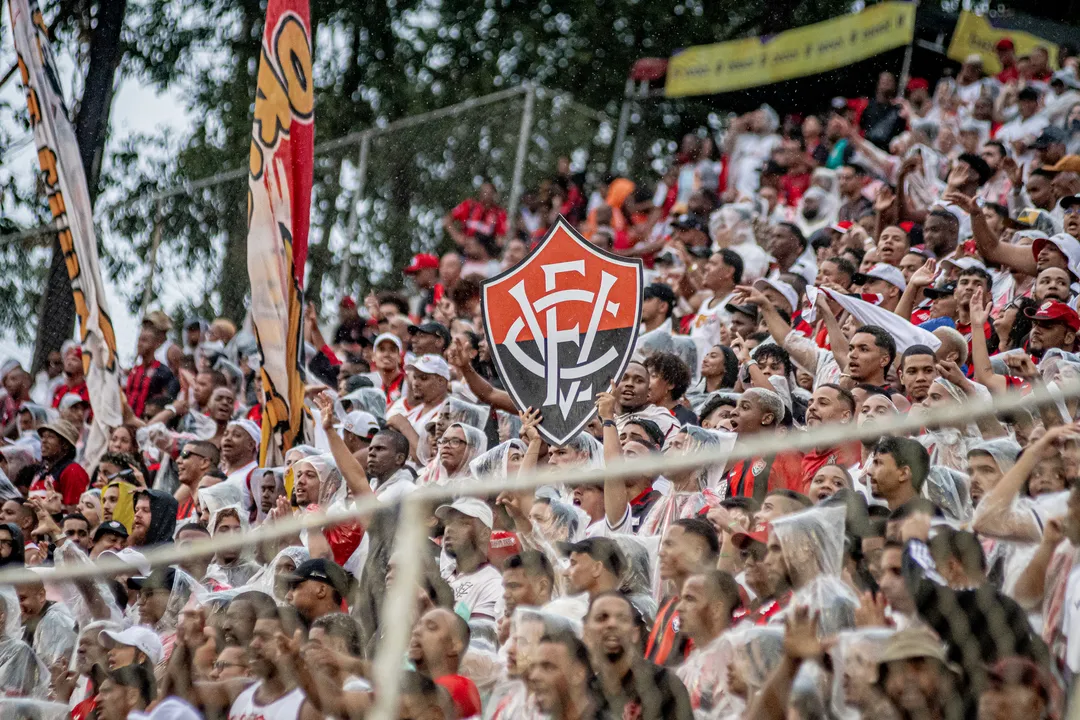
(904, 333)
(64, 180)
(279, 205)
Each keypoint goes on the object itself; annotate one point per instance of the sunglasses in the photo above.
(184, 455)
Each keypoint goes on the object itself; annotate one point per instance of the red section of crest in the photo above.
(562, 247)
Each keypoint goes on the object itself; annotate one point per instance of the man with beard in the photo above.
(196, 459)
(231, 563)
(772, 594)
(240, 455)
(428, 386)
(1055, 325)
(632, 396)
(155, 518)
(439, 640)
(466, 537)
(632, 686)
(560, 679)
(833, 405)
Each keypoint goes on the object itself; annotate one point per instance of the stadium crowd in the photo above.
(889, 255)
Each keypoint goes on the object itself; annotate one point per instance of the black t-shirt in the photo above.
(650, 692)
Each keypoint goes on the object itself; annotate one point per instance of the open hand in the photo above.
(325, 404)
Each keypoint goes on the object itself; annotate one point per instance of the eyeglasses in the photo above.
(1072, 210)
(222, 665)
(456, 442)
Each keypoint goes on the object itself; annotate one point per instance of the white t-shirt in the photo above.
(705, 328)
(481, 590)
(241, 478)
(286, 707)
(395, 487)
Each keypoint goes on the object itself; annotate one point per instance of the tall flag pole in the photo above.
(279, 207)
(64, 179)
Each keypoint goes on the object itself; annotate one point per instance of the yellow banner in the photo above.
(974, 35)
(750, 62)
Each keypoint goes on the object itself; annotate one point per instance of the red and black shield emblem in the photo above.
(561, 325)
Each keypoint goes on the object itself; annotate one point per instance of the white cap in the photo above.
(432, 365)
(138, 636)
(965, 263)
(69, 400)
(470, 507)
(360, 423)
(391, 337)
(132, 557)
(889, 274)
(781, 287)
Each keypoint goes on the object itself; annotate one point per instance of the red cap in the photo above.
(758, 534)
(463, 694)
(1054, 310)
(347, 302)
(1004, 44)
(423, 261)
(843, 226)
(907, 226)
(917, 83)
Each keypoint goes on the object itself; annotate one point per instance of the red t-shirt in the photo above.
(784, 472)
(464, 694)
(71, 483)
(843, 455)
(479, 220)
(80, 390)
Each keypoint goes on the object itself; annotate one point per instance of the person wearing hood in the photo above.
(118, 503)
(235, 565)
(12, 546)
(154, 520)
(240, 455)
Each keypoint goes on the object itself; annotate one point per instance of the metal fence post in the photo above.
(151, 261)
(617, 163)
(522, 152)
(354, 212)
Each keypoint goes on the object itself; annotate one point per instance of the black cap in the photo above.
(321, 570)
(603, 550)
(939, 292)
(750, 311)
(1051, 135)
(1028, 93)
(158, 579)
(110, 527)
(431, 328)
(661, 292)
(691, 221)
(1069, 201)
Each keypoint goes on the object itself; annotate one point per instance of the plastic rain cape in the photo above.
(269, 579)
(22, 673)
(475, 445)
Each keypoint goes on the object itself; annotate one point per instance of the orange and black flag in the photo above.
(561, 325)
(279, 214)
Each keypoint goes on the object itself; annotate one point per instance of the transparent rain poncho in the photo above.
(756, 650)
(636, 580)
(7, 490)
(705, 675)
(949, 490)
(22, 673)
(19, 455)
(949, 446)
(54, 637)
(509, 699)
(466, 413)
(15, 708)
(589, 450)
(239, 572)
(86, 600)
(676, 504)
(372, 400)
(509, 425)
(1059, 368)
(652, 342)
(436, 472)
(270, 579)
(687, 351)
(556, 520)
(494, 463)
(855, 657)
(1004, 451)
(186, 589)
(812, 543)
(297, 452)
(223, 494)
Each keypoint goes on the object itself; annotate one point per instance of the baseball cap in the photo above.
(431, 328)
(1051, 135)
(1065, 243)
(603, 550)
(391, 337)
(842, 227)
(917, 83)
(159, 579)
(158, 320)
(70, 400)
(1069, 201)
(941, 291)
(110, 527)
(64, 429)
(915, 643)
(781, 287)
(1053, 310)
(421, 261)
(750, 311)
(1004, 44)
(973, 59)
(1019, 671)
(137, 636)
(129, 556)
(743, 539)
(1069, 163)
(360, 423)
(964, 263)
(431, 365)
(470, 507)
(882, 271)
(321, 570)
(661, 292)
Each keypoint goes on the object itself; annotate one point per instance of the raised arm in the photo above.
(458, 355)
(1017, 257)
(351, 469)
(616, 499)
(988, 425)
(980, 354)
(1031, 585)
(920, 279)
